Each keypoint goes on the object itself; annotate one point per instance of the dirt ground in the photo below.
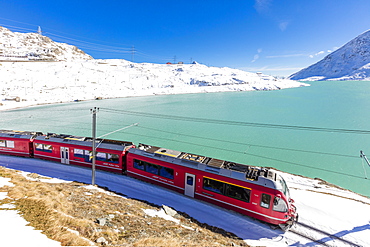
(77, 215)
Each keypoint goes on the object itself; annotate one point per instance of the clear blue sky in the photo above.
(276, 37)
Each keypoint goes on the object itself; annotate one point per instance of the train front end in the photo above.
(291, 210)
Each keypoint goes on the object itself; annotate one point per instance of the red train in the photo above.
(254, 191)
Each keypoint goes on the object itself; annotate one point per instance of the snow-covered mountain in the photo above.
(350, 62)
(73, 75)
(34, 46)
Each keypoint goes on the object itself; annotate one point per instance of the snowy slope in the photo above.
(54, 82)
(338, 212)
(350, 62)
(34, 46)
(66, 73)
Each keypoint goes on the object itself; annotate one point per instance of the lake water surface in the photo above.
(333, 156)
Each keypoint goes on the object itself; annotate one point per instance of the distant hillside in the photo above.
(71, 75)
(350, 62)
(34, 46)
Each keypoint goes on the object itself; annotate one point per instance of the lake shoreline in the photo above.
(6, 105)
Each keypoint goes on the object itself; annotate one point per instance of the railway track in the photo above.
(319, 236)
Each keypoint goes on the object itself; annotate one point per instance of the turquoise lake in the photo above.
(333, 156)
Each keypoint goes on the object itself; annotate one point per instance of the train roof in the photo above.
(257, 175)
(19, 134)
(85, 141)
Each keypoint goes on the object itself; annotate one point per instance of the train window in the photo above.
(237, 192)
(265, 201)
(280, 205)
(85, 154)
(101, 156)
(190, 180)
(39, 147)
(166, 172)
(113, 158)
(138, 164)
(154, 169)
(44, 147)
(284, 187)
(151, 168)
(10, 144)
(213, 185)
(79, 153)
(48, 148)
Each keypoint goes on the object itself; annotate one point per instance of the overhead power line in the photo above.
(248, 144)
(19, 28)
(250, 154)
(237, 123)
(85, 45)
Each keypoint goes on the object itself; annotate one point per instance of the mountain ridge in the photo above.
(350, 62)
(36, 47)
(68, 74)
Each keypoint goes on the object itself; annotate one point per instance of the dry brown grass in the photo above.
(59, 209)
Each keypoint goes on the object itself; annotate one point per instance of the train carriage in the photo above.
(254, 191)
(257, 192)
(68, 149)
(17, 142)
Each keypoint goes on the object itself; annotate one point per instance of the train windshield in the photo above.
(284, 187)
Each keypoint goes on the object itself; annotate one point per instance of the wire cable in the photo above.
(237, 123)
(254, 155)
(82, 44)
(247, 144)
(126, 127)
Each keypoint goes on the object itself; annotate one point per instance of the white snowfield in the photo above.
(14, 229)
(53, 82)
(36, 70)
(337, 212)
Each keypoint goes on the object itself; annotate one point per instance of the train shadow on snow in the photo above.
(209, 216)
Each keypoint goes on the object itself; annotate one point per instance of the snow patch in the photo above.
(7, 206)
(3, 195)
(43, 179)
(13, 226)
(5, 182)
(161, 214)
(92, 187)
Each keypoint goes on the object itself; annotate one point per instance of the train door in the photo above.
(64, 155)
(189, 184)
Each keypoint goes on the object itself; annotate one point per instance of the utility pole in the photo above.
(93, 111)
(362, 155)
(39, 30)
(174, 59)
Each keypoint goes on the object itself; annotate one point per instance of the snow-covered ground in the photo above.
(338, 212)
(36, 83)
(13, 226)
(36, 70)
(15, 46)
